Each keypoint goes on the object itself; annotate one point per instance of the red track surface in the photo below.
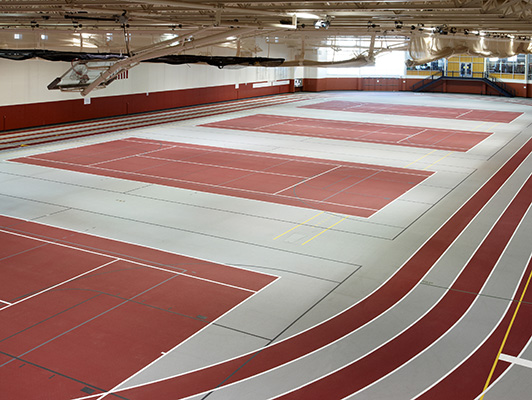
(417, 111)
(347, 188)
(399, 285)
(469, 378)
(433, 325)
(77, 318)
(411, 136)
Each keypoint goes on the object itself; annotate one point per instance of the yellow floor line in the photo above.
(478, 126)
(297, 226)
(505, 337)
(419, 159)
(435, 162)
(323, 231)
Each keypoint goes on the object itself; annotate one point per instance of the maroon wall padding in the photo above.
(56, 112)
(403, 84)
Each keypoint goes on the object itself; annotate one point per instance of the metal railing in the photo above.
(427, 81)
(499, 83)
(491, 80)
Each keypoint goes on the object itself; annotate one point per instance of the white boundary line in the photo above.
(507, 370)
(465, 313)
(485, 339)
(127, 261)
(210, 185)
(516, 360)
(252, 153)
(114, 389)
(308, 179)
(193, 258)
(370, 294)
(59, 284)
(222, 166)
(413, 323)
(410, 106)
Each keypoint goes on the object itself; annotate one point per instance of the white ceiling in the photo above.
(87, 24)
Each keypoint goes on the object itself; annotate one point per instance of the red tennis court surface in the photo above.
(348, 188)
(79, 314)
(412, 136)
(417, 111)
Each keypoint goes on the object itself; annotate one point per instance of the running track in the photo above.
(81, 313)
(417, 111)
(347, 188)
(411, 136)
(397, 287)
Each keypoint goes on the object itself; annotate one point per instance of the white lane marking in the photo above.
(516, 360)
(214, 186)
(129, 261)
(341, 312)
(59, 284)
(308, 179)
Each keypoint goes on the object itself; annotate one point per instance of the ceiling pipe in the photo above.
(172, 48)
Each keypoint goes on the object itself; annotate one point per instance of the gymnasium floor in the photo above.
(360, 245)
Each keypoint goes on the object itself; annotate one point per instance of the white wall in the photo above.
(23, 82)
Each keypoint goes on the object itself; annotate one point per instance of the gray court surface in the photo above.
(320, 277)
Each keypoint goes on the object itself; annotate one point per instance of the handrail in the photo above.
(427, 80)
(500, 83)
(485, 76)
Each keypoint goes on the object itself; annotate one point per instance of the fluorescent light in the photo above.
(231, 37)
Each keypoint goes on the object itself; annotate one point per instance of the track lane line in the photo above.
(515, 360)
(112, 392)
(364, 366)
(197, 379)
(506, 336)
(469, 363)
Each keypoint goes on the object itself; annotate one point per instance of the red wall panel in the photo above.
(57, 112)
(49, 113)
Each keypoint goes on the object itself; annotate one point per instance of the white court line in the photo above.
(215, 186)
(221, 166)
(308, 179)
(59, 284)
(148, 247)
(125, 123)
(516, 360)
(461, 115)
(128, 261)
(164, 354)
(252, 153)
(361, 300)
(167, 147)
(6, 302)
(412, 135)
(404, 331)
(390, 142)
